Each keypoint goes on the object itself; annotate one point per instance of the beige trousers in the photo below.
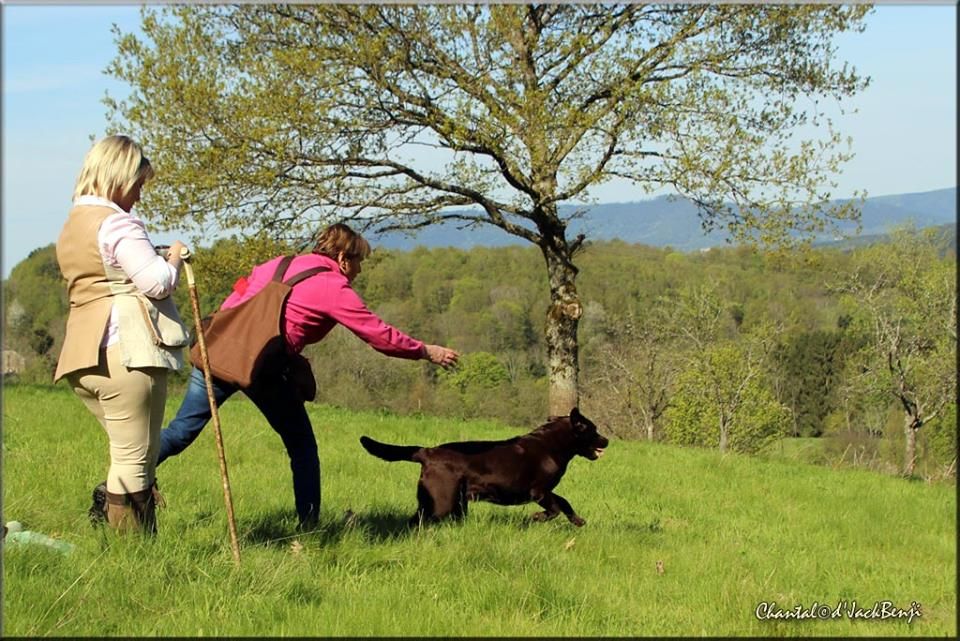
(129, 404)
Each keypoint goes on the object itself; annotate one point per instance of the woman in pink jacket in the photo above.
(314, 307)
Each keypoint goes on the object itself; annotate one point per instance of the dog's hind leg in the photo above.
(461, 501)
(441, 497)
(424, 507)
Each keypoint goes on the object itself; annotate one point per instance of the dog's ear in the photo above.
(581, 423)
(577, 420)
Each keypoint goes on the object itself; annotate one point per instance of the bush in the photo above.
(475, 372)
(694, 417)
(939, 438)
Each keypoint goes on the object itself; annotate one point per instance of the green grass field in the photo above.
(731, 532)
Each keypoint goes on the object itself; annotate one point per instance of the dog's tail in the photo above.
(389, 452)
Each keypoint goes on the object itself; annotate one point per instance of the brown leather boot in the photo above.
(120, 514)
(134, 511)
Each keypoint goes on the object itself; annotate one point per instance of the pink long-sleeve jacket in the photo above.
(318, 303)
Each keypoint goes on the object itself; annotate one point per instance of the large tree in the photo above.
(903, 297)
(275, 118)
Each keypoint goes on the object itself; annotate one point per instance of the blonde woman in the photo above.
(123, 332)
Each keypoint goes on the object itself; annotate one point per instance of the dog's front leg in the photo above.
(546, 501)
(554, 504)
(568, 511)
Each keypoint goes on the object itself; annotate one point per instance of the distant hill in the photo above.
(673, 221)
(945, 235)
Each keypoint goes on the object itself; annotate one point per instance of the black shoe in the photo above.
(98, 511)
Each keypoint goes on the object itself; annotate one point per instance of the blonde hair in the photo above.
(112, 168)
(340, 238)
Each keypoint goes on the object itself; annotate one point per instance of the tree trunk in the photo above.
(910, 452)
(724, 432)
(563, 318)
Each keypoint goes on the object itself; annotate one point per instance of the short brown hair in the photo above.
(339, 238)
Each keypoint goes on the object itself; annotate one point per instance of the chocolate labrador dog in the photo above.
(511, 472)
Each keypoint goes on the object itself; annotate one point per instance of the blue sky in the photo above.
(905, 131)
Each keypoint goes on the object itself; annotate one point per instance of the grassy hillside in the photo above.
(730, 532)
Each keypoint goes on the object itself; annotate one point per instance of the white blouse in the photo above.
(124, 244)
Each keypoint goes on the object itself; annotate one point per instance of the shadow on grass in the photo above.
(275, 528)
(278, 529)
(380, 526)
(521, 519)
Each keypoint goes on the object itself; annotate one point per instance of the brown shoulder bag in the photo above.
(243, 339)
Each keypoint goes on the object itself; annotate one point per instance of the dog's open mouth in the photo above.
(598, 452)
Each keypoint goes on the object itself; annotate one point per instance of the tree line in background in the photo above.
(731, 348)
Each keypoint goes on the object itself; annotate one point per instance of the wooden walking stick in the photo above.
(227, 497)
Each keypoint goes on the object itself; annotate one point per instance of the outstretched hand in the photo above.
(442, 356)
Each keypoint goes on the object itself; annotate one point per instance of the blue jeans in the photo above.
(283, 408)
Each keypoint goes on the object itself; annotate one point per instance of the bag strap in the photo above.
(305, 274)
(282, 268)
(293, 280)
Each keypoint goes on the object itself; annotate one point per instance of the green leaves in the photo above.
(35, 307)
(903, 297)
(477, 372)
(266, 117)
(275, 119)
(720, 402)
